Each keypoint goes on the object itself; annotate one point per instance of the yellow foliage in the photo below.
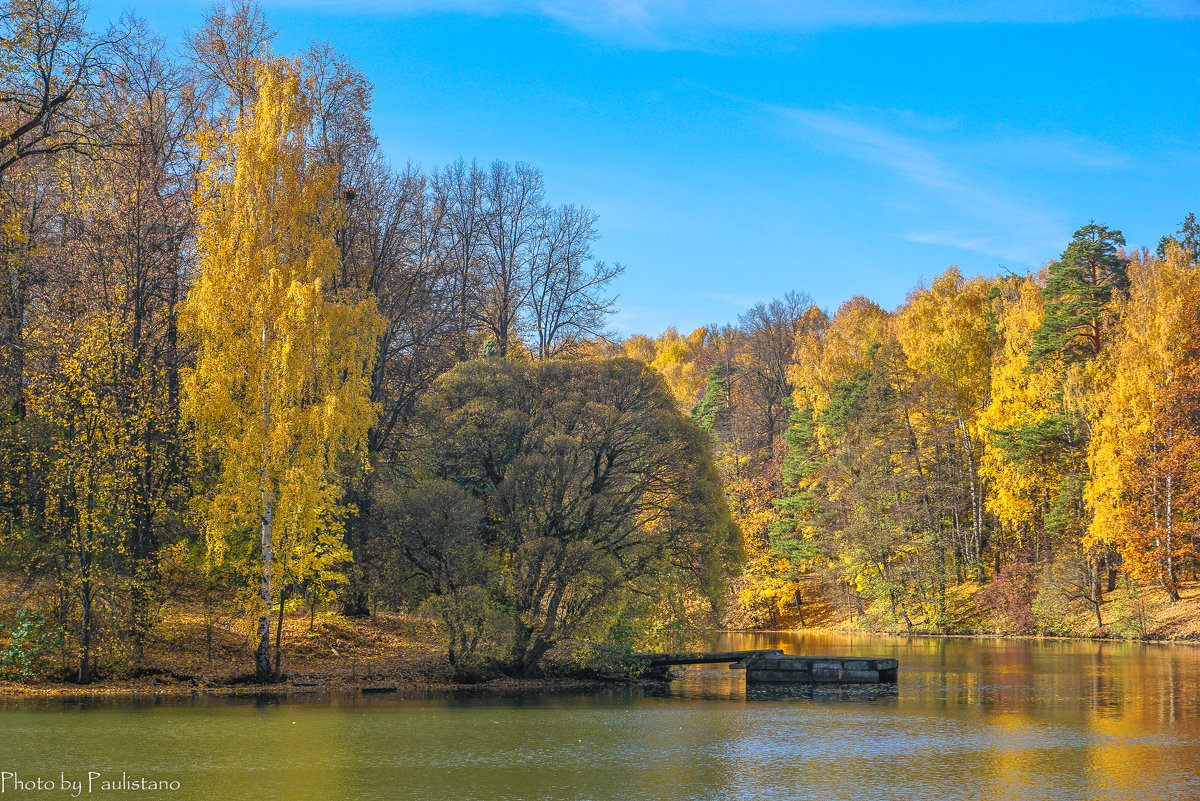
(91, 463)
(767, 588)
(842, 349)
(280, 388)
(1148, 356)
(674, 357)
(944, 333)
(1017, 397)
(640, 347)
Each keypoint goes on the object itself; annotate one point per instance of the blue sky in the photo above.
(738, 150)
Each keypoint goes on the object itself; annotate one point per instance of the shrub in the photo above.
(1052, 599)
(31, 642)
(1009, 597)
(1131, 618)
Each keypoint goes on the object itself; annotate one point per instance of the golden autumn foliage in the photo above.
(841, 351)
(279, 392)
(1143, 450)
(766, 591)
(221, 302)
(931, 447)
(90, 463)
(228, 323)
(1017, 396)
(675, 357)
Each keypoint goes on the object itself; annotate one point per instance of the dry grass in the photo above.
(1150, 617)
(1178, 621)
(185, 655)
(335, 650)
(190, 653)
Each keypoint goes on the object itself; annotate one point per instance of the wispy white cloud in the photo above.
(684, 22)
(871, 144)
(1000, 246)
(975, 206)
(690, 23)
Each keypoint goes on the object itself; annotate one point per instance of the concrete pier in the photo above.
(819, 669)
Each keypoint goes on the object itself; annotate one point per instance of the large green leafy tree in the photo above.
(592, 482)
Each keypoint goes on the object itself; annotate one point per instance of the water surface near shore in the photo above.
(968, 719)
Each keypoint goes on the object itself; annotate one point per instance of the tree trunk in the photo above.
(279, 630)
(534, 652)
(356, 600)
(262, 654)
(1172, 578)
(85, 599)
(357, 603)
(85, 633)
(976, 496)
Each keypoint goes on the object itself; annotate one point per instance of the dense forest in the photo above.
(995, 454)
(249, 364)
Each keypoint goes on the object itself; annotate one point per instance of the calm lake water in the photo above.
(968, 719)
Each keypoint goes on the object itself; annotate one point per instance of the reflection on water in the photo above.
(967, 719)
(822, 692)
(718, 683)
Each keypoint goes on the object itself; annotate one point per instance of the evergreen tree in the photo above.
(1187, 238)
(801, 464)
(1078, 296)
(712, 410)
(1081, 296)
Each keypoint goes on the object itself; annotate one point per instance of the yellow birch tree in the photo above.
(279, 393)
(1150, 357)
(1017, 488)
(944, 333)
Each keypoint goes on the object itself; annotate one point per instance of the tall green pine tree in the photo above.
(1078, 296)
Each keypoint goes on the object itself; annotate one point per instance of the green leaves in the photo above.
(712, 410)
(587, 480)
(32, 640)
(1079, 291)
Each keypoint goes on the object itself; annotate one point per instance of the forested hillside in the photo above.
(996, 454)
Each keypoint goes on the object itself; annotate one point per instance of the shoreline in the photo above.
(308, 685)
(287, 690)
(1185, 640)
